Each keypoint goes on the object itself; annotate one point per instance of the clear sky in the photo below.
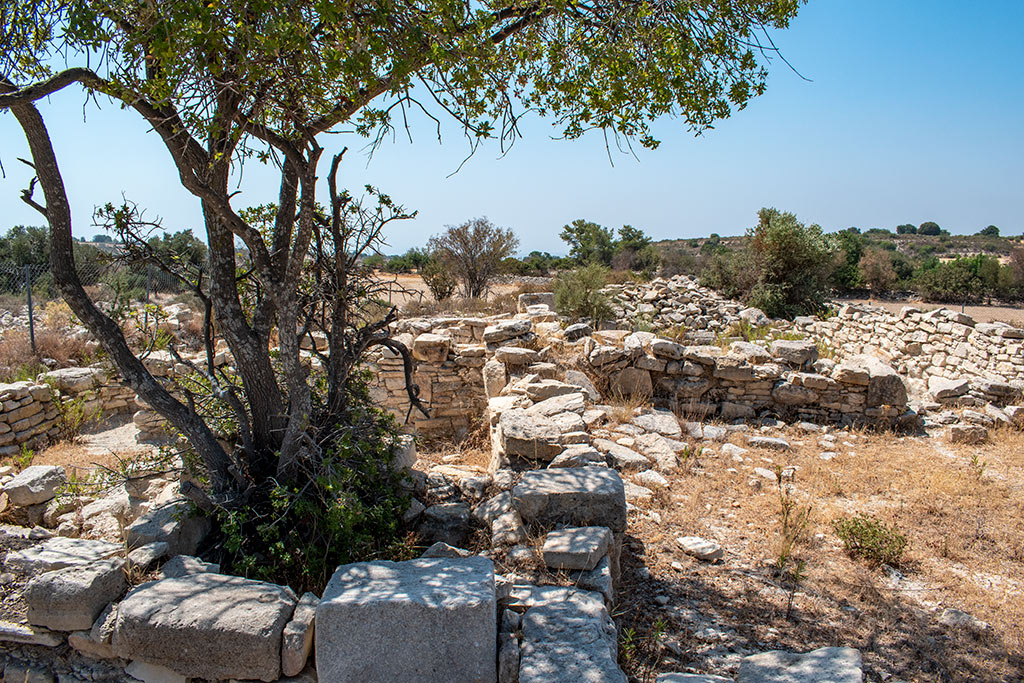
(913, 112)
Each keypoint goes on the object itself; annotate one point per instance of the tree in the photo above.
(473, 252)
(226, 82)
(26, 245)
(929, 228)
(878, 271)
(102, 239)
(990, 231)
(847, 273)
(589, 242)
(906, 229)
(784, 269)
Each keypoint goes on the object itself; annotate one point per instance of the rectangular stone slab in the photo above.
(427, 620)
(579, 496)
(208, 626)
(569, 642)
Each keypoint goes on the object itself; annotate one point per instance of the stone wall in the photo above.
(746, 380)
(939, 344)
(28, 410)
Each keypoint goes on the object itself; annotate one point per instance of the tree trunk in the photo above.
(62, 264)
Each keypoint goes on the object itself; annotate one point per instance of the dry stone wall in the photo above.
(934, 346)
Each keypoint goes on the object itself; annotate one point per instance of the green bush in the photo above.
(439, 280)
(871, 539)
(578, 293)
(347, 510)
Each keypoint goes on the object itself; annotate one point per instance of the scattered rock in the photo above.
(702, 549)
(34, 485)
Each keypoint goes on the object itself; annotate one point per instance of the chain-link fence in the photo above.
(26, 289)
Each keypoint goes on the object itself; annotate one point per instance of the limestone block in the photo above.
(75, 380)
(569, 642)
(495, 378)
(70, 599)
(576, 547)
(297, 638)
(375, 621)
(622, 458)
(583, 496)
(659, 421)
(942, 388)
(569, 402)
(431, 348)
(824, 665)
(59, 552)
(35, 484)
(515, 355)
(505, 330)
(529, 435)
(206, 626)
(631, 382)
(173, 523)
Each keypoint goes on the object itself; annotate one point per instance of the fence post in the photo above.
(149, 285)
(28, 295)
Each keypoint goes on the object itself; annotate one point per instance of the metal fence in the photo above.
(25, 288)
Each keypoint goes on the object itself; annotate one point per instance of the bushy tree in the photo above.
(989, 231)
(847, 275)
(877, 270)
(578, 293)
(929, 228)
(589, 242)
(906, 229)
(473, 252)
(221, 83)
(26, 245)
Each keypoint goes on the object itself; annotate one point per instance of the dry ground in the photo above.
(962, 509)
(983, 314)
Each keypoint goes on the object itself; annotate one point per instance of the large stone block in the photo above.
(569, 642)
(70, 599)
(59, 552)
(578, 496)
(425, 620)
(35, 484)
(824, 665)
(208, 626)
(529, 435)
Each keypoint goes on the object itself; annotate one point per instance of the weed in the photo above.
(978, 466)
(871, 539)
(793, 520)
(24, 457)
(72, 415)
(641, 654)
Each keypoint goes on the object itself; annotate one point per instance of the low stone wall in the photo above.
(937, 344)
(785, 378)
(28, 409)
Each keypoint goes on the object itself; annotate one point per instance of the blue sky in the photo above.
(913, 113)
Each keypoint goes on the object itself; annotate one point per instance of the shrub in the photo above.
(472, 252)
(578, 293)
(439, 280)
(877, 270)
(871, 539)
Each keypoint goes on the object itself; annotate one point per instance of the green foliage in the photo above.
(847, 274)
(578, 294)
(784, 269)
(347, 510)
(906, 229)
(473, 252)
(640, 654)
(929, 228)
(871, 539)
(414, 259)
(589, 242)
(72, 416)
(965, 279)
(439, 280)
(877, 270)
(989, 231)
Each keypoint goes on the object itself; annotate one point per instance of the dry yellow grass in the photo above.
(961, 507)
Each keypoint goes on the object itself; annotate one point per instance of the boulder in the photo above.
(578, 331)
(621, 457)
(702, 549)
(754, 316)
(579, 496)
(967, 434)
(516, 355)
(569, 642)
(824, 665)
(35, 484)
(529, 435)
(185, 565)
(448, 522)
(208, 626)
(543, 389)
(885, 386)
(75, 380)
(426, 620)
(495, 377)
(576, 547)
(768, 442)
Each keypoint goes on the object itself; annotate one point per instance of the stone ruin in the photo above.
(559, 491)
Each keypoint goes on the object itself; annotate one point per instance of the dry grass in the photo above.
(962, 509)
(17, 361)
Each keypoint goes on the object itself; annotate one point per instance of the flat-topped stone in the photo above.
(569, 642)
(71, 598)
(59, 552)
(824, 665)
(578, 496)
(576, 547)
(529, 435)
(425, 620)
(661, 422)
(35, 484)
(206, 625)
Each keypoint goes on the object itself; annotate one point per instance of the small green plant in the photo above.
(639, 654)
(871, 539)
(24, 457)
(793, 520)
(578, 294)
(72, 416)
(978, 466)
